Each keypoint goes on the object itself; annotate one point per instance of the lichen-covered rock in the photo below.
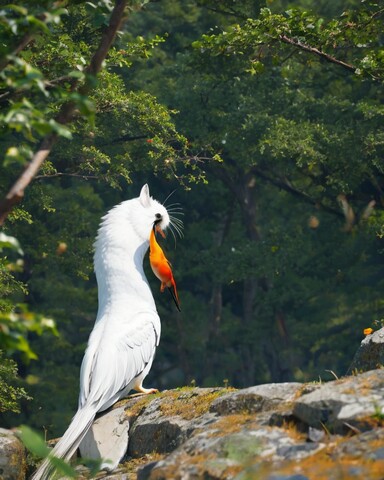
(215, 453)
(344, 405)
(281, 431)
(168, 420)
(370, 354)
(256, 399)
(232, 434)
(12, 456)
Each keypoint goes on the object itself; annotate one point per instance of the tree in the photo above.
(289, 103)
(51, 97)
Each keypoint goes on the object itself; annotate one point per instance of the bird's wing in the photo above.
(117, 353)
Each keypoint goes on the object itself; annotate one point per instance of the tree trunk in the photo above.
(248, 352)
(212, 361)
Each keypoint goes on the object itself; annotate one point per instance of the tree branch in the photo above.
(230, 12)
(316, 51)
(63, 174)
(66, 113)
(124, 138)
(284, 185)
(23, 43)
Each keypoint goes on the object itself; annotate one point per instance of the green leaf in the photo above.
(60, 129)
(63, 467)
(17, 8)
(36, 445)
(33, 442)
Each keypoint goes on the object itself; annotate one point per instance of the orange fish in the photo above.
(161, 266)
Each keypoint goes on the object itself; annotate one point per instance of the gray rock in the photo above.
(107, 439)
(160, 437)
(316, 435)
(256, 399)
(12, 456)
(370, 354)
(344, 404)
(362, 445)
(144, 472)
(156, 432)
(296, 476)
(219, 452)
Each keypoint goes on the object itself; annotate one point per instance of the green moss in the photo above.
(189, 402)
(185, 402)
(137, 403)
(241, 448)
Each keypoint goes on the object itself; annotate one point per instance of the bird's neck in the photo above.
(119, 271)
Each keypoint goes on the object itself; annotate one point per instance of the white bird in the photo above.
(122, 344)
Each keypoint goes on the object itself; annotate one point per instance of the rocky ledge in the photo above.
(272, 432)
(279, 431)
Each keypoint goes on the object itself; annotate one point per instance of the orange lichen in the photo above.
(233, 423)
(327, 464)
(205, 465)
(367, 331)
(130, 467)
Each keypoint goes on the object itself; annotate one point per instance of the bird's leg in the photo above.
(139, 387)
(147, 391)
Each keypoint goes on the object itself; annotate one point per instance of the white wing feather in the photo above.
(118, 352)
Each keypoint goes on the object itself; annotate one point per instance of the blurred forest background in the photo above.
(264, 117)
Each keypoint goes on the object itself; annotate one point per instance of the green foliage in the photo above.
(10, 395)
(41, 77)
(15, 319)
(351, 40)
(21, 79)
(16, 325)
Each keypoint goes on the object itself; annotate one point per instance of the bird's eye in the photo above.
(158, 216)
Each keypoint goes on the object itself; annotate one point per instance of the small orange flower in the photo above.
(367, 331)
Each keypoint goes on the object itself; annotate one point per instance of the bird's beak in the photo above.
(159, 230)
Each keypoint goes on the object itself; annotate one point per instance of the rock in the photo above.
(167, 421)
(219, 446)
(315, 434)
(287, 431)
(370, 354)
(344, 405)
(145, 471)
(256, 399)
(107, 439)
(12, 456)
(234, 440)
(215, 454)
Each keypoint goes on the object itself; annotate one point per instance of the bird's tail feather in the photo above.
(175, 299)
(69, 442)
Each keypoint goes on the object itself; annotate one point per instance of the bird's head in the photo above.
(156, 226)
(149, 214)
